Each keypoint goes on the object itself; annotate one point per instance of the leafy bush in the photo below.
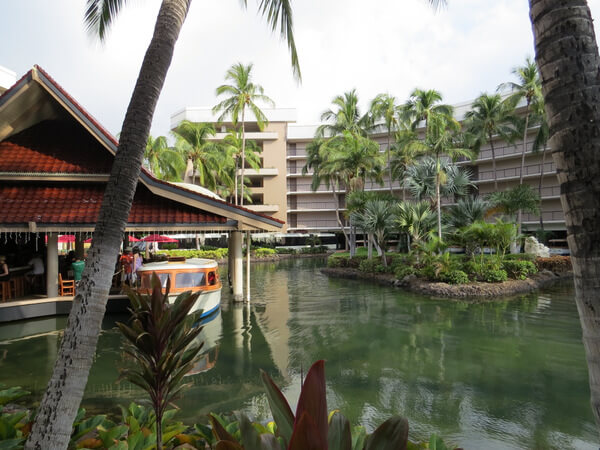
(519, 270)
(404, 270)
(521, 257)
(217, 253)
(455, 277)
(285, 251)
(313, 250)
(264, 252)
(355, 262)
(337, 261)
(494, 275)
(369, 265)
(554, 263)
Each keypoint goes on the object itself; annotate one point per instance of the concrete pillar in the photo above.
(230, 268)
(248, 245)
(238, 272)
(52, 265)
(79, 250)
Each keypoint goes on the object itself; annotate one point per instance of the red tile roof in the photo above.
(54, 146)
(77, 203)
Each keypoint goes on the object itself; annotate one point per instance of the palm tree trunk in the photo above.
(237, 159)
(520, 212)
(540, 186)
(437, 198)
(568, 60)
(388, 162)
(53, 424)
(337, 213)
(369, 246)
(243, 156)
(493, 162)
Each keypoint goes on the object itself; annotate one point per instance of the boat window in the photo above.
(147, 280)
(212, 278)
(189, 279)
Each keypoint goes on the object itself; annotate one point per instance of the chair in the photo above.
(5, 290)
(67, 287)
(17, 286)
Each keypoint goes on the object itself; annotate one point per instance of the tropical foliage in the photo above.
(164, 162)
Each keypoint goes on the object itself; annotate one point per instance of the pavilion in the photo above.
(55, 161)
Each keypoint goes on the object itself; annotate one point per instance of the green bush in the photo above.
(355, 262)
(520, 257)
(313, 250)
(264, 252)
(455, 277)
(402, 271)
(492, 275)
(337, 261)
(369, 265)
(218, 253)
(519, 270)
(285, 251)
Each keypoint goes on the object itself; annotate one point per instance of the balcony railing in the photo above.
(533, 169)
(317, 224)
(551, 191)
(312, 205)
(305, 187)
(546, 215)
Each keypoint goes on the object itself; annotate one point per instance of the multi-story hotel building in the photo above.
(280, 189)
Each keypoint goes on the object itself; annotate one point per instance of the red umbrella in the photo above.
(158, 238)
(131, 239)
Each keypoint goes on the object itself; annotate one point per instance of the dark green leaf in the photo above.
(339, 436)
(390, 435)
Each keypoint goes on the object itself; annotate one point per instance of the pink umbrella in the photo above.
(131, 239)
(158, 238)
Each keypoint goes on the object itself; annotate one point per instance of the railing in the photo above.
(296, 152)
(294, 170)
(533, 169)
(318, 223)
(551, 191)
(305, 187)
(546, 215)
(312, 205)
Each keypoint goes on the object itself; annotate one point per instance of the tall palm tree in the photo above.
(490, 116)
(345, 116)
(403, 154)
(206, 155)
(568, 60)
(384, 107)
(242, 94)
(164, 162)
(442, 139)
(233, 143)
(541, 142)
(527, 87)
(422, 104)
(53, 424)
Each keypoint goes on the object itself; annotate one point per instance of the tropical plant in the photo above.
(377, 219)
(403, 155)
(383, 107)
(233, 148)
(242, 94)
(206, 156)
(489, 117)
(540, 143)
(569, 76)
(417, 220)
(466, 211)
(422, 105)
(58, 408)
(344, 117)
(519, 198)
(164, 162)
(160, 341)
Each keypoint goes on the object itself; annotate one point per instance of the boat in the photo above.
(194, 274)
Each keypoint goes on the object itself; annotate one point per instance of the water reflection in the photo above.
(491, 375)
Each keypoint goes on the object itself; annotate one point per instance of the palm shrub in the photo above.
(416, 219)
(159, 339)
(520, 198)
(466, 211)
(377, 219)
(519, 269)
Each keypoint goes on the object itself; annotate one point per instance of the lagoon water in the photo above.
(502, 375)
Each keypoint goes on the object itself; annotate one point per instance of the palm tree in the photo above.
(164, 162)
(384, 107)
(442, 139)
(490, 116)
(206, 156)
(466, 211)
(540, 142)
(416, 219)
(403, 154)
(529, 88)
(422, 104)
(568, 60)
(377, 219)
(242, 94)
(233, 143)
(53, 424)
(513, 201)
(344, 117)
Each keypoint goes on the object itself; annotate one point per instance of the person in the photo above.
(37, 266)
(77, 267)
(4, 273)
(137, 263)
(126, 262)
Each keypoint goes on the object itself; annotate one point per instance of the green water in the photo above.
(497, 375)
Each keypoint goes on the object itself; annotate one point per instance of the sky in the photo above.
(376, 46)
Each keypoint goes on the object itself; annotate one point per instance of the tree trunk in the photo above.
(520, 212)
(540, 187)
(369, 246)
(53, 425)
(337, 213)
(237, 159)
(493, 162)
(243, 156)
(568, 60)
(437, 199)
(388, 163)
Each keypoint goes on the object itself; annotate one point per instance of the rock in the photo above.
(534, 247)
(547, 273)
(406, 281)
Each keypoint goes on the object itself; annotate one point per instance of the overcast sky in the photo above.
(374, 46)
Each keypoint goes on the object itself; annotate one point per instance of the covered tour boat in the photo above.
(195, 274)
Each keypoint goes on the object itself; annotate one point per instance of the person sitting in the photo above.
(77, 267)
(126, 263)
(37, 269)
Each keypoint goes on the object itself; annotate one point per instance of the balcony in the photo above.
(263, 172)
(514, 172)
(312, 206)
(315, 225)
(251, 135)
(263, 208)
(548, 216)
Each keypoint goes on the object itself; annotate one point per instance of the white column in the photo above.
(238, 272)
(248, 245)
(52, 265)
(230, 267)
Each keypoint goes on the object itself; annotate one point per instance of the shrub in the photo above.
(494, 275)
(313, 250)
(403, 270)
(369, 265)
(455, 277)
(519, 270)
(337, 261)
(264, 252)
(521, 256)
(355, 262)
(554, 263)
(285, 251)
